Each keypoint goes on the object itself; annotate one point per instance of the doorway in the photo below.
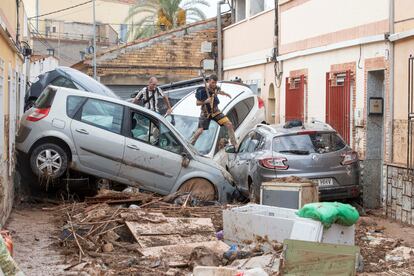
(375, 129)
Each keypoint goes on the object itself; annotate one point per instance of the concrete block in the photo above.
(406, 203)
(400, 183)
(407, 188)
(214, 271)
(399, 196)
(389, 194)
(398, 212)
(404, 216)
(394, 193)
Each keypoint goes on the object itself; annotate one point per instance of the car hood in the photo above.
(208, 161)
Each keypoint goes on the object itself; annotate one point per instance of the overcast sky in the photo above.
(212, 10)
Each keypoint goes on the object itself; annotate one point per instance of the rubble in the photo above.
(154, 237)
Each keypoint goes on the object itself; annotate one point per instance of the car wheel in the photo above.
(200, 188)
(49, 160)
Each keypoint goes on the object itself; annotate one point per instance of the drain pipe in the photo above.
(219, 42)
(391, 72)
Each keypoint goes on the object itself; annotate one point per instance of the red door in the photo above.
(338, 98)
(295, 98)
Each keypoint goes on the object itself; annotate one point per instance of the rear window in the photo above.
(45, 99)
(303, 144)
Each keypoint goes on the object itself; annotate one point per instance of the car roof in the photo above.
(279, 129)
(75, 92)
(187, 106)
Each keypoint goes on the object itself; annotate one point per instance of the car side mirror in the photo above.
(230, 149)
(186, 160)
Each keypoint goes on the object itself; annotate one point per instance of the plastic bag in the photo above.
(329, 213)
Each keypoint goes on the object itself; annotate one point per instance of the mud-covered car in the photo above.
(120, 141)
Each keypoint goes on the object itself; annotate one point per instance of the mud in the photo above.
(33, 231)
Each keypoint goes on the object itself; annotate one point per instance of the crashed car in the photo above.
(245, 109)
(116, 140)
(65, 77)
(314, 151)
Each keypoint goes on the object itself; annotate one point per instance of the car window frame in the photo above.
(233, 109)
(128, 134)
(63, 77)
(78, 115)
(83, 100)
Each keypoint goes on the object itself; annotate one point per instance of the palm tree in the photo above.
(160, 15)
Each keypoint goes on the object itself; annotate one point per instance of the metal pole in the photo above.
(94, 41)
(37, 15)
(391, 84)
(219, 42)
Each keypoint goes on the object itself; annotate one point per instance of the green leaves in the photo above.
(152, 14)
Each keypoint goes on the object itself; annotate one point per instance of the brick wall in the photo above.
(398, 193)
(171, 56)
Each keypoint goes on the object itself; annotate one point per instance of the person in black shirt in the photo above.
(208, 100)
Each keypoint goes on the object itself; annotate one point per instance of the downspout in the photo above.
(18, 24)
(278, 65)
(219, 42)
(391, 72)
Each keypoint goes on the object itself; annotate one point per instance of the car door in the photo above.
(152, 156)
(238, 166)
(96, 131)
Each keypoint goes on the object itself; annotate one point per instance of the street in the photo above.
(37, 231)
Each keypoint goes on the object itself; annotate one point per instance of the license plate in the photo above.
(323, 182)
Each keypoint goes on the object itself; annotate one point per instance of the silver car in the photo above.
(314, 151)
(245, 109)
(113, 139)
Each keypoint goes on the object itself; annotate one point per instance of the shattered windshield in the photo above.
(187, 125)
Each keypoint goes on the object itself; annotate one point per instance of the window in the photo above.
(256, 6)
(63, 82)
(102, 114)
(240, 7)
(154, 133)
(318, 142)
(72, 105)
(46, 98)
(240, 111)
(251, 142)
(244, 145)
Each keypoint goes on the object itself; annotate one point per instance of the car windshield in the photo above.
(309, 142)
(89, 83)
(187, 125)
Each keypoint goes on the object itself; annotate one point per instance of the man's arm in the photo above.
(137, 97)
(220, 92)
(167, 103)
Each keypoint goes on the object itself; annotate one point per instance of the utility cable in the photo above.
(61, 10)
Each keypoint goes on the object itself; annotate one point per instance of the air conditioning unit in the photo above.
(293, 195)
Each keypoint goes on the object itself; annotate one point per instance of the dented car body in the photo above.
(113, 139)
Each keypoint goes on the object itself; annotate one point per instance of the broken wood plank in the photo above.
(311, 258)
(180, 253)
(181, 226)
(163, 240)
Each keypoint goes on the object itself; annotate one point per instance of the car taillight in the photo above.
(349, 157)
(261, 102)
(277, 163)
(38, 114)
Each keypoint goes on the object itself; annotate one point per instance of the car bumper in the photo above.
(346, 186)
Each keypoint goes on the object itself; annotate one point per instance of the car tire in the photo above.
(49, 161)
(200, 188)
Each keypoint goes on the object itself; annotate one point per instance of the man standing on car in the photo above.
(149, 96)
(208, 100)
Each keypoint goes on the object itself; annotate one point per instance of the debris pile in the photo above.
(119, 233)
(380, 252)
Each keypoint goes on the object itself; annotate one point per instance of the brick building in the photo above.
(170, 56)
